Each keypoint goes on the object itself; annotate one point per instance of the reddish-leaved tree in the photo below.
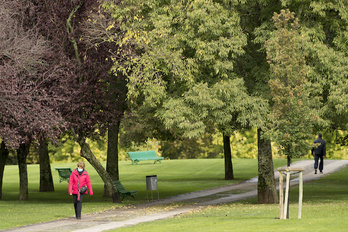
(100, 101)
(32, 86)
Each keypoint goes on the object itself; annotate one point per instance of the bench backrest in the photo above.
(64, 172)
(119, 186)
(142, 154)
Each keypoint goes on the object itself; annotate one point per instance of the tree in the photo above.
(292, 116)
(71, 30)
(30, 87)
(184, 48)
(96, 32)
(328, 61)
(253, 67)
(46, 180)
(266, 186)
(117, 90)
(323, 27)
(3, 157)
(76, 71)
(22, 153)
(24, 77)
(225, 105)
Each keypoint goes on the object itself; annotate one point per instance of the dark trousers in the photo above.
(78, 205)
(321, 163)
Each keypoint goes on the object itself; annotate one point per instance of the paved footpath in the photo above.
(162, 209)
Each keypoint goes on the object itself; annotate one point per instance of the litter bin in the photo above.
(151, 184)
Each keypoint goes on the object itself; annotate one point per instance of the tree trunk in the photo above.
(3, 157)
(22, 153)
(46, 180)
(117, 90)
(87, 153)
(112, 154)
(288, 160)
(267, 192)
(228, 158)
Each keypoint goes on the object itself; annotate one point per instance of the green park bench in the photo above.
(123, 192)
(64, 174)
(137, 156)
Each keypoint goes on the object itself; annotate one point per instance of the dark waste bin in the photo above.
(151, 182)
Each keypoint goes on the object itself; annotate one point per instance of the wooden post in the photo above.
(300, 197)
(281, 192)
(285, 215)
(283, 210)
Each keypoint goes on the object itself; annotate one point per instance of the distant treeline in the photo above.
(244, 145)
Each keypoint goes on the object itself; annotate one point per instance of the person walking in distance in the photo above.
(319, 152)
(79, 182)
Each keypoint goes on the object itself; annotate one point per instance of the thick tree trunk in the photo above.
(22, 153)
(267, 192)
(87, 153)
(228, 158)
(46, 180)
(112, 154)
(117, 90)
(3, 157)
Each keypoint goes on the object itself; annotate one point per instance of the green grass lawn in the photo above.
(174, 177)
(324, 209)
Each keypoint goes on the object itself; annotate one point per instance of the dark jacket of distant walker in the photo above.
(321, 149)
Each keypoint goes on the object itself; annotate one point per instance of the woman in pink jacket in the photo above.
(79, 178)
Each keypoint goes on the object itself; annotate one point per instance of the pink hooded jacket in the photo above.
(83, 181)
